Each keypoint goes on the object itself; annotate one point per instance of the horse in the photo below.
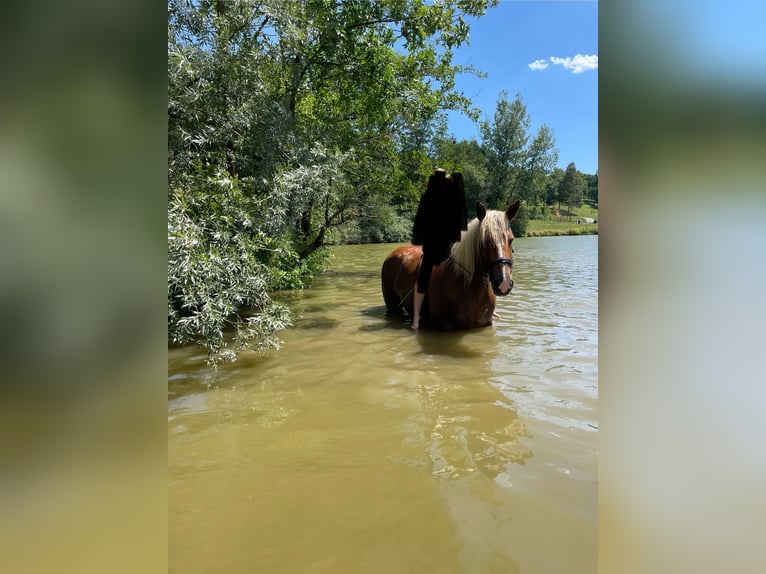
(463, 289)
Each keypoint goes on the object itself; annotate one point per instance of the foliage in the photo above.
(468, 158)
(387, 226)
(288, 122)
(504, 141)
(516, 166)
(218, 264)
(571, 187)
(591, 191)
(521, 221)
(289, 271)
(315, 196)
(542, 156)
(552, 183)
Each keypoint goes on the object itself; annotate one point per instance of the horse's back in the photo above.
(408, 256)
(398, 276)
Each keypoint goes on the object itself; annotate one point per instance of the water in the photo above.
(363, 447)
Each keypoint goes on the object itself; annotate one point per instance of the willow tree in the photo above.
(368, 78)
(286, 119)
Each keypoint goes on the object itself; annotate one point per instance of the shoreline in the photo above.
(559, 232)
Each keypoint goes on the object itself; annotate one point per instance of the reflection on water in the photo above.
(363, 447)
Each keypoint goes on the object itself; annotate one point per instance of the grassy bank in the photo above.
(540, 227)
(564, 223)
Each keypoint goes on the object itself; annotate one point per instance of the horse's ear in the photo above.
(481, 211)
(513, 210)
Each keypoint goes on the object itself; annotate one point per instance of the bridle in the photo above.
(492, 262)
(489, 264)
(502, 260)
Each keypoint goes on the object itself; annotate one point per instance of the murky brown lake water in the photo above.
(360, 446)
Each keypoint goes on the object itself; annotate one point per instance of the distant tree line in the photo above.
(294, 125)
(509, 163)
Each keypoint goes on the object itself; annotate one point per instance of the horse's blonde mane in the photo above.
(465, 252)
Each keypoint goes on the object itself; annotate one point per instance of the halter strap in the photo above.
(503, 260)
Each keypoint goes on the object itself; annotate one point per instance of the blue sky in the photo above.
(517, 33)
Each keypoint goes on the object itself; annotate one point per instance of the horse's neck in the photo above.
(480, 281)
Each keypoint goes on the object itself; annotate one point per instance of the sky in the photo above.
(547, 51)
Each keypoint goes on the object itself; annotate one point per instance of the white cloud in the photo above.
(538, 65)
(578, 63)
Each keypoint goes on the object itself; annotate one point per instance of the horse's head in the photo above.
(495, 247)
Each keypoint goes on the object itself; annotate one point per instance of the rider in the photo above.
(440, 218)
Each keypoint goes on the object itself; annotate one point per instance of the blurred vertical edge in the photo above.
(83, 257)
(682, 150)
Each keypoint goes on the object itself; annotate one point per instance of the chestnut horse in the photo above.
(461, 294)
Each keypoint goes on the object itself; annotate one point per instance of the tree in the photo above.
(592, 188)
(521, 221)
(516, 166)
(542, 156)
(371, 77)
(571, 188)
(504, 141)
(218, 263)
(466, 157)
(552, 184)
(287, 120)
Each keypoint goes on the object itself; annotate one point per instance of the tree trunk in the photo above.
(306, 219)
(314, 245)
